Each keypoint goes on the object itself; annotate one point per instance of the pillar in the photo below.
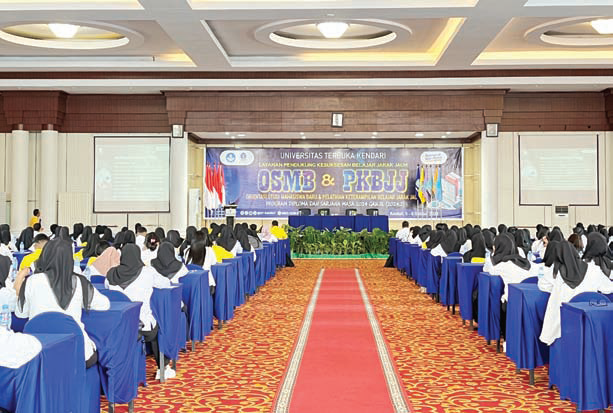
(489, 181)
(49, 174)
(19, 180)
(178, 182)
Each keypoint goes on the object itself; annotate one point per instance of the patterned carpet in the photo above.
(444, 366)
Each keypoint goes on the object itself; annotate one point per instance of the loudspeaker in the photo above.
(372, 212)
(351, 212)
(323, 211)
(304, 211)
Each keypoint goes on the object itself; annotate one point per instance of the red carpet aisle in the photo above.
(336, 365)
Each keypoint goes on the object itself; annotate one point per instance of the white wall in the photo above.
(501, 193)
(75, 175)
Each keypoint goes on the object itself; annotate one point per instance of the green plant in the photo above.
(338, 242)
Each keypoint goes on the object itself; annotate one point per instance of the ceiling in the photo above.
(243, 35)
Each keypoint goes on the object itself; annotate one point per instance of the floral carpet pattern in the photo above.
(444, 366)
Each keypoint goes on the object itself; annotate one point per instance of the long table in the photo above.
(45, 383)
(356, 223)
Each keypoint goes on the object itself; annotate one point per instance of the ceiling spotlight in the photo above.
(448, 133)
(241, 135)
(373, 137)
(419, 135)
(332, 30)
(303, 137)
(603, 26)
(443, 136)
(302, 133)
(63, 30)
(233, 137)
(375, 133)
(227, 133)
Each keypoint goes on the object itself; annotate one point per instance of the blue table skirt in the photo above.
(491, 289)
(356, 223)
(403, 259)
(422, 268)
(166, 308)
(199, 303)
(433, 273)
(248, 270)
(269, 259)
(467, 283)
(448, 286)
(225, 292)
(45, 383)
(525, 312)
(239, 281)
(115, 333)
(414, 260)
(584, 359)
(393, 244)
(260, 267)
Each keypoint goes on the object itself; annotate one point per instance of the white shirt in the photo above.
(467, 246)
(209, 260)
(140, 242)
(17, 349)
(510, 273)
(416, 240)
(8, 296)
(237, 249)
(39, 298)
(561, 293)
(181, 273)
(404, 234)
(147, 255)
(140, 290)
(584, 241)
(438, 251)
(537, 246)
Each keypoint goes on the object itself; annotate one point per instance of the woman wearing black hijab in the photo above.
(119, 237)
(174, 238)
(189, 236)
(55, 287)
(5, 243)
(227, 240)
(555, 235)
(435, 239)
(100, 230)
(137, 281)
(25, 240)
(507, 263)
(7, 293)
(610, 241)
(243, 239)
(215, 231)
(489, 237)
(128, 238)
(84, 237)
(53, 229)
(523, 243)
(447, 245)
(107, 235)
(424, 234)
(90, 249)
(477, 253)
(502, 228)
(462, 238)
(571, 276)
(596, 253)
(159, 231)
(167, 264)
(77, 230)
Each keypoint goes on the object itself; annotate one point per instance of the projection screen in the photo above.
(131, 174)
(558, 169)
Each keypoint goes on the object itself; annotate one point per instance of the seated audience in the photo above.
(277, 231)
(404, 233)
(54, 287)
(28, 261)
(167, 264)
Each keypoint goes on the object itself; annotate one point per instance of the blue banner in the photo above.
(412, 183)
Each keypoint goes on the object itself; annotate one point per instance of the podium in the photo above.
(230, 212)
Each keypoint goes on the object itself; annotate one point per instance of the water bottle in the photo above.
(541, 271)
(530, 256)
(5, 318)
(14, 269)
(77, 266)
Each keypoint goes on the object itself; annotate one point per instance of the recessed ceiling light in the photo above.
(375, 133)
(303, 137)
(448, 133)
(233, 137)
(227, 133)
(603, 26)
(373, 137)
(419, 135)
(63, 30)
(302, 133)
(332, 30)
(443, 136)
(241, 134)
(337, 134)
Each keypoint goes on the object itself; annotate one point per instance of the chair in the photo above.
(98, 279)
(588, 296)
(351, 212)
(530, 280)
(59, 323)
(373, 212)
(323, 211)
(304, 211)
(114, 295)
(194, 267)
